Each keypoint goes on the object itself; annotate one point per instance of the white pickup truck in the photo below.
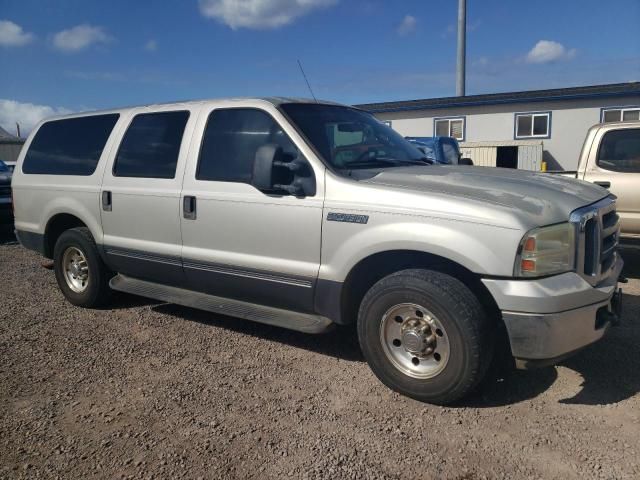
(610, 158)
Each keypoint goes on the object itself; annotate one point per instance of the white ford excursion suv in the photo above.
(306, 215)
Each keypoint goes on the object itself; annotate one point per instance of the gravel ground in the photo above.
(148, 390)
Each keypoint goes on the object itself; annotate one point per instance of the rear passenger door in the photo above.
(140, 196)
(238, 241)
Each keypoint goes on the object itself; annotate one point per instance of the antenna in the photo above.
(305, 79)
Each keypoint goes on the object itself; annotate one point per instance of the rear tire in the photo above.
(425, 335)
(82, 276)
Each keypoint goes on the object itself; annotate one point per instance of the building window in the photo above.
(620, 114)
(449, 127)
(533, 125)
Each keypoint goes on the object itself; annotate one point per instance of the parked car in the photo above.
(443, 150)
(610, 158)
(6, 213)
(306, 215)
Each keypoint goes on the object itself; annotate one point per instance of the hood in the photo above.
(543, 198)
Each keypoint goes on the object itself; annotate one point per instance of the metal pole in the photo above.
(462, 48)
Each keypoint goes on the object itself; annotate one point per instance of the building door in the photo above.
(507, 157)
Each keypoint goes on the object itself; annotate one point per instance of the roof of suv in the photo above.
(272, 100)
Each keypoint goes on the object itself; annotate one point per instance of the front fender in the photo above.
(482, 249)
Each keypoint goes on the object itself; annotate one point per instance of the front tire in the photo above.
(425, 335)
(82, 276)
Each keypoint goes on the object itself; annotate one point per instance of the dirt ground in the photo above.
(148, 390)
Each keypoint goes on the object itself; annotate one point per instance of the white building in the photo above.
(517, 129)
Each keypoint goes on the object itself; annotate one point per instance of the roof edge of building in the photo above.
(527, 96)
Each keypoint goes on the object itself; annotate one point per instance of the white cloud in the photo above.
(26, 114)
(151, 46)
(79, 37)
(407, 25)
(480, 62)
(546, 51)
(259, 14)
(12, 35)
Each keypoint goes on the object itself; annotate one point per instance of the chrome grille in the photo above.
(598, 232)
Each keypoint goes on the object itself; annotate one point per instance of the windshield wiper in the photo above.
(393, 162)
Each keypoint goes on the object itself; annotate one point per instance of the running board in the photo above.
(302, 322)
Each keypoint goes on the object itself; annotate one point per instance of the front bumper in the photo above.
(551, 318)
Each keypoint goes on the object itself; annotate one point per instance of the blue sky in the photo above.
(70, 55)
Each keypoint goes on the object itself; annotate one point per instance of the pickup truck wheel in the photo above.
(425, 335)
(81, 274)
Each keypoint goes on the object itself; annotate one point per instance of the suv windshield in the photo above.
(348, 138)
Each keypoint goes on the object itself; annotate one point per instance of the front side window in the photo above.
(450, 127)
(347, 138)
(620, 114)
(151, 145)
(620, 151)
(69, 146)
(533, 125)
(230, 142)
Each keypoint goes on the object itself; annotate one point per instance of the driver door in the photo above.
(238, 242)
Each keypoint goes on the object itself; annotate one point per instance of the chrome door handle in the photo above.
(106, 201)
(189, 207)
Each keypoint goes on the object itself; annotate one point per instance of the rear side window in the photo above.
(151, 145)
(69, 147)
(620, 151)
(232, 138)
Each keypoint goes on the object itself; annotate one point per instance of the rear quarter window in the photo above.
(151, 145)
(70, 146)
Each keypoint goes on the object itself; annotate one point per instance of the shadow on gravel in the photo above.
(6, 236)
(124, 300)
(342, 342)
(631, 259)
(611, 368)
(504, 385)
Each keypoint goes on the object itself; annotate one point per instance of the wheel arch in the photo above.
(56, 226)
(369, 270)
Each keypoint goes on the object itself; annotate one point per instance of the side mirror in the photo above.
(465, 161)
(274, 171)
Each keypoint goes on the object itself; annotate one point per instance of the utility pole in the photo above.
(462, 48)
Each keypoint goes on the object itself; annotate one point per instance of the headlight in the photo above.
(546, 251)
